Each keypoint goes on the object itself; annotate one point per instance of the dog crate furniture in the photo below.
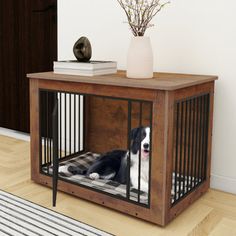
(74, 119)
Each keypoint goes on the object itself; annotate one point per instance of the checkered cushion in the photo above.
(84, 161)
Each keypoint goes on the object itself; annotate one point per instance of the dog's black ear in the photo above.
(134, 133)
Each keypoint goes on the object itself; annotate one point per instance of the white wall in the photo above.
(189, 36)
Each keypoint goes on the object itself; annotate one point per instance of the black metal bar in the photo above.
(200, 143)
(45, 149)
(79, 131)
(50, 146)
(60, 126)
(41, 136)
(196, 142)
(84, 122)
(180, 151)
(43, 124)
(185, 146)
(47, 132)
(200, 140)
(189, 144)
(176, 151)
(204, 137)
(139, 161)
(128, 144)
(74, 123)
(193, 141)
(65, 122)
(70, 123)
(55, 152)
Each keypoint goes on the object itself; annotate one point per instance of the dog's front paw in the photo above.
(94, 176)
(63, 169)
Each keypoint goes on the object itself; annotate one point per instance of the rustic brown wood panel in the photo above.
(146, 109)
(193, 91)
(101, 90)
(169, 140)
(34, 129)
(158, 159)
(108, 122)
(161, 81)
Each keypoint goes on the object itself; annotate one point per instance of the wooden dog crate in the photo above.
(77, 117)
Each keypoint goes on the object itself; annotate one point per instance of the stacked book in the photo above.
(90, 68)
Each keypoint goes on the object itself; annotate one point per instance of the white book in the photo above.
(85, 72)
(92, 65)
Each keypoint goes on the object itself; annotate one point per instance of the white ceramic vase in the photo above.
(140, 58)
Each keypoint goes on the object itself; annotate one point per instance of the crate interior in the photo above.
(88, 127)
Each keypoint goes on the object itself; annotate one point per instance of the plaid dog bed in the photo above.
(84, 161)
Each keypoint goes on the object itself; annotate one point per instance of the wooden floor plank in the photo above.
(226, 227)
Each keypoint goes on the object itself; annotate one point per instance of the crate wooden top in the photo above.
(161, 81)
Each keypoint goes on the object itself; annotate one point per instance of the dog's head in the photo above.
(141, 141)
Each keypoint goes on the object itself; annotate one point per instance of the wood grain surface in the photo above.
(161, 81)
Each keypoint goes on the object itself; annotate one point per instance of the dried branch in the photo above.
(140, 13)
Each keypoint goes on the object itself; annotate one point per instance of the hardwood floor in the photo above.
(214, 214)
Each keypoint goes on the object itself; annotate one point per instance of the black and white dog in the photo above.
(113, 165)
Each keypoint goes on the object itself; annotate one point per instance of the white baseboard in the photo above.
(14, 134)
(223, 183)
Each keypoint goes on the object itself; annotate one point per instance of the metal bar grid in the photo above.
(190, 146)
(71, 114)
